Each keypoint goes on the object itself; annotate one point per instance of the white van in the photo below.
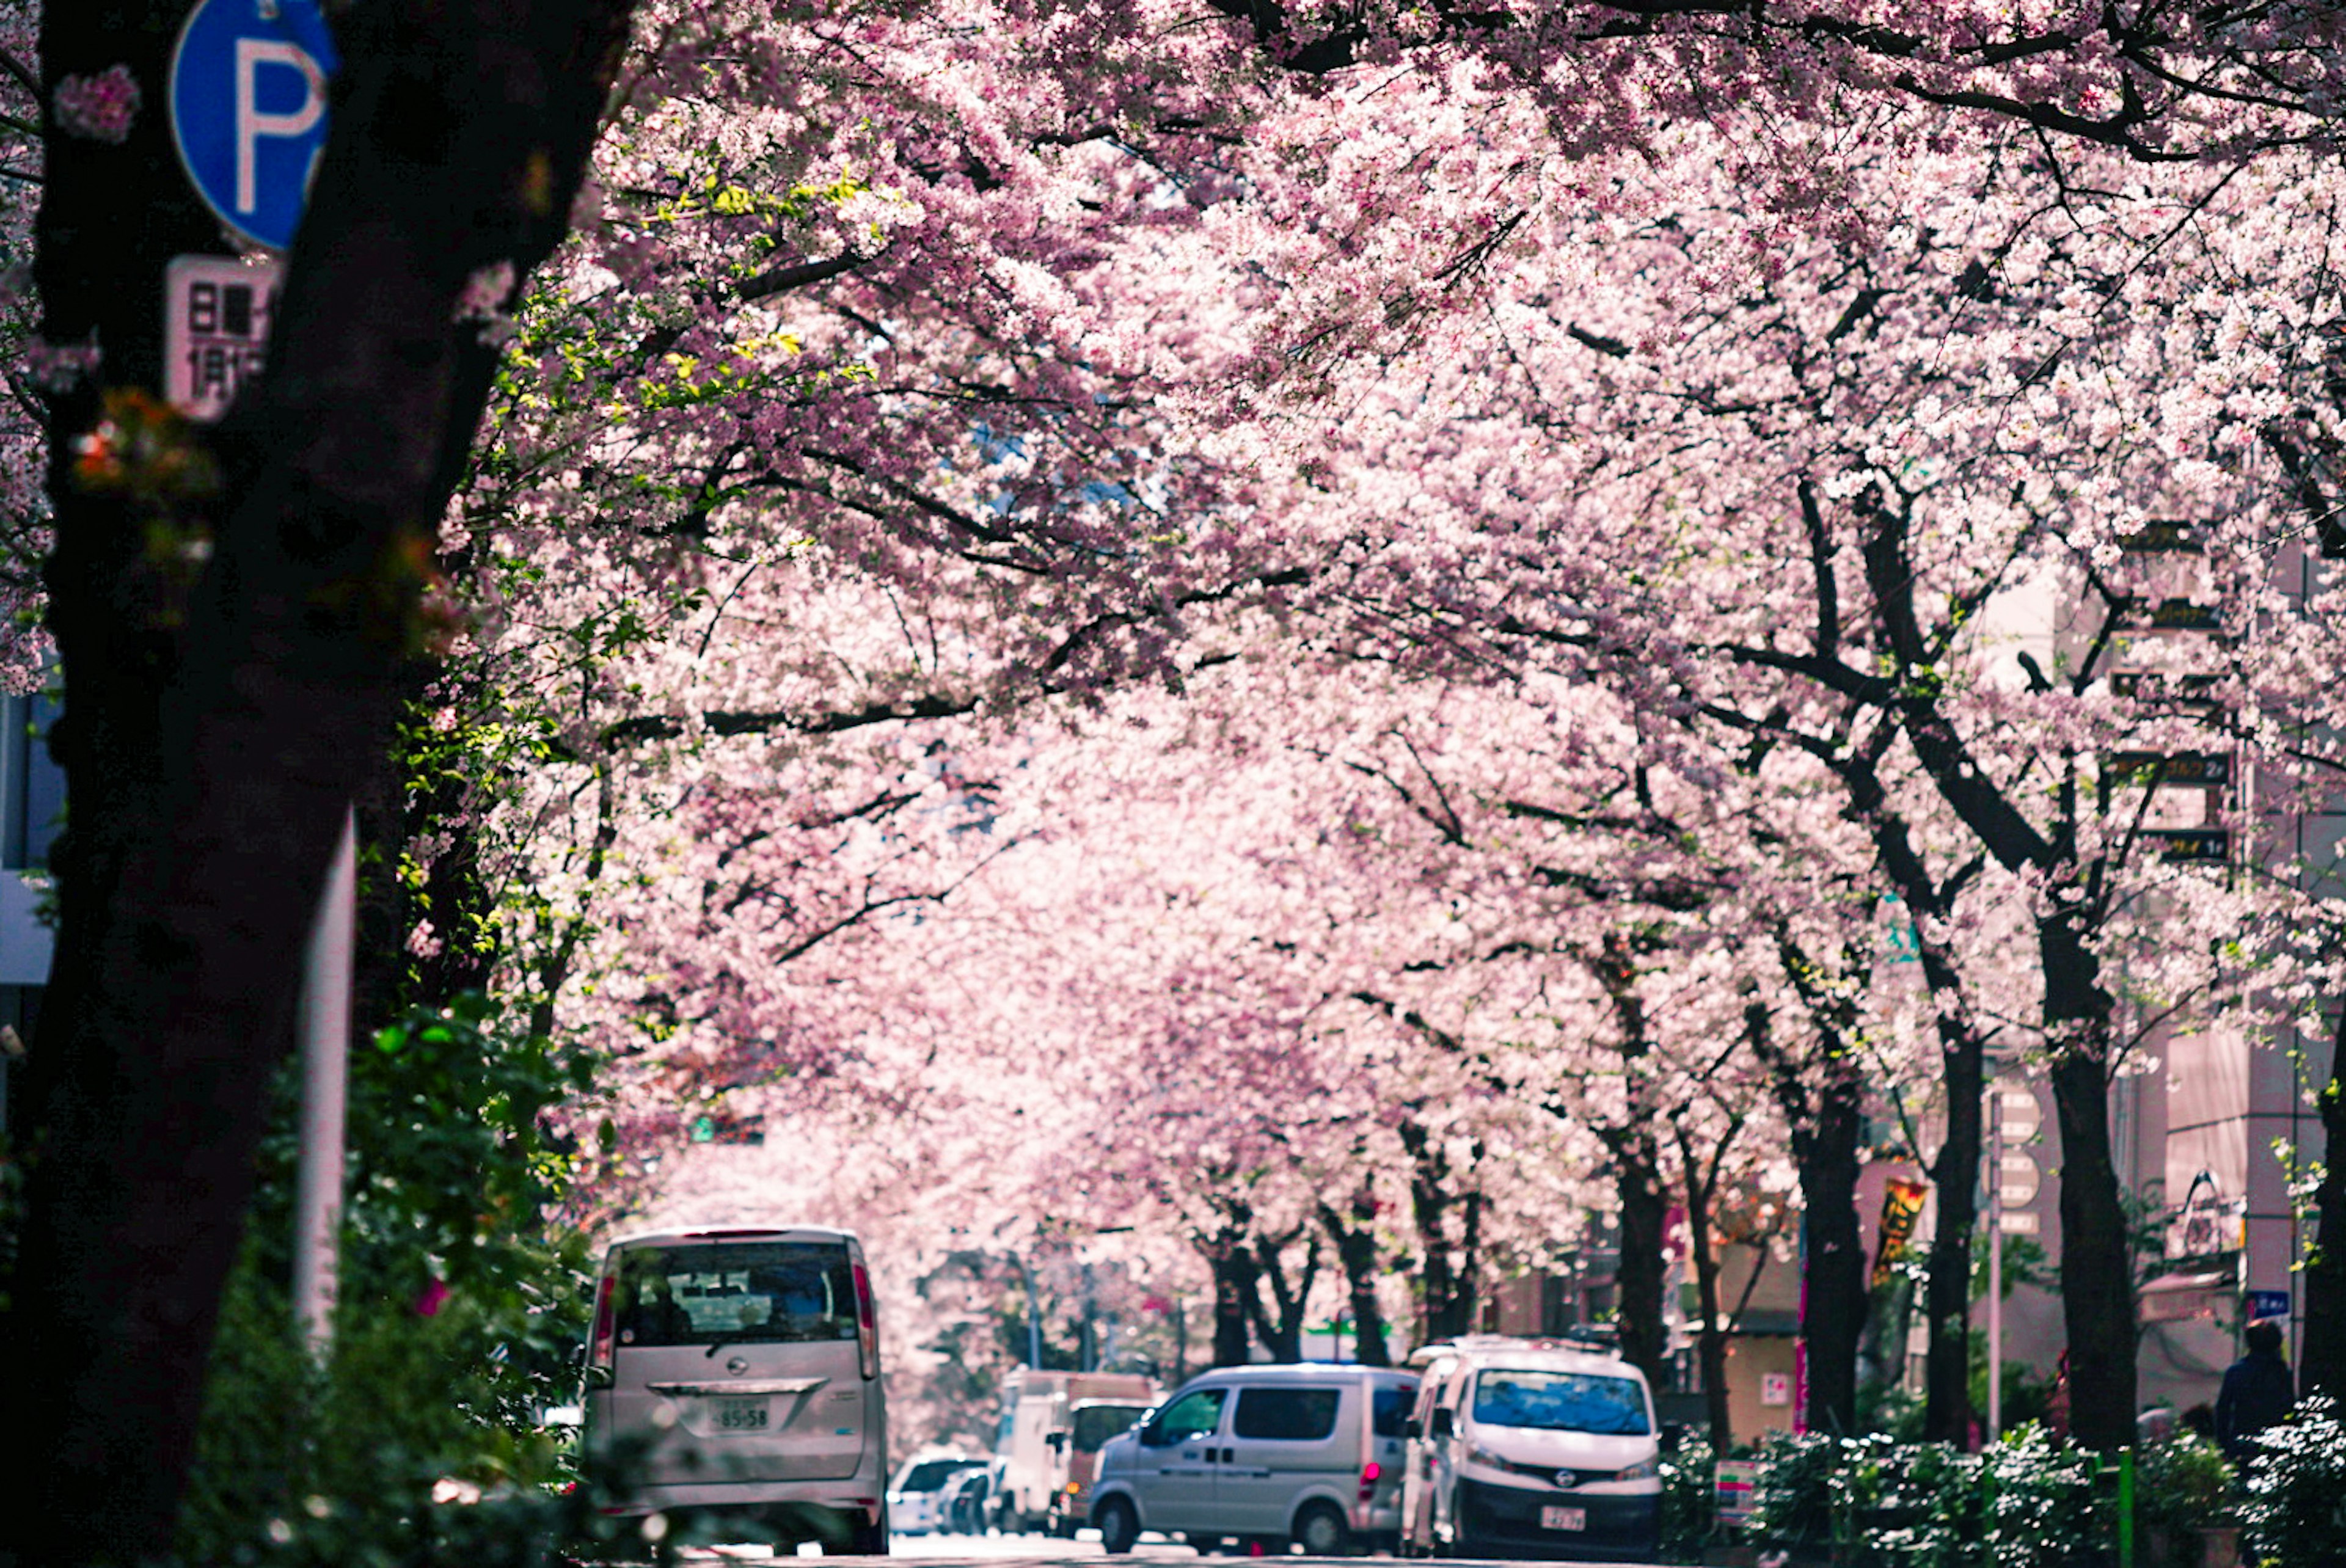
(1031, 1442)
(737, 1373)
(1531, 1448)
(1263, 1455)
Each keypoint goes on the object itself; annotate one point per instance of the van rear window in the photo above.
(742, 1292)
(1389, 1412)
(1287, 1415)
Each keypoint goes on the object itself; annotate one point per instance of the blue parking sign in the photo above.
(248, 109)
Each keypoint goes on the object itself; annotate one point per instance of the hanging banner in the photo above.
(1902, 1206)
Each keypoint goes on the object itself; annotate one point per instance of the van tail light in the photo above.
(867, 1324)
(1369, 1474)
(600, 1345)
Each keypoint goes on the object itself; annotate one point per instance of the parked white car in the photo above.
(1531, 1448)
(916, 1498)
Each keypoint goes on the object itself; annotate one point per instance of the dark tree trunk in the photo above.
(1824, 1100)
(1237, 1286)
(2321, 1359)
(1947, 1298)
(1711, 1341)
(1446, 1277)
(219, 717)
(1355, 1240)
(1833, 1312)
(2096, 1264)
(1645, 1215)
(1637, 1171)
(1282, 1331)
(1947, 1295)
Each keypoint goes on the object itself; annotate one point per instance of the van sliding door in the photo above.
(1283, 1438)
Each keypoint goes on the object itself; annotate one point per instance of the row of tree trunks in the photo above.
(1954, 1168)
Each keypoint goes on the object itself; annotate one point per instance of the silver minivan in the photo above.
(1271, 1454)
(1531, 1448)
(737, 1373)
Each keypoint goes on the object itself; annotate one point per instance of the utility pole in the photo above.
(325, 1074)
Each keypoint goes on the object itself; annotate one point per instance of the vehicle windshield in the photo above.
(1561, 1401)
(931, 1474)
(742, 1292)
(1094, 1424)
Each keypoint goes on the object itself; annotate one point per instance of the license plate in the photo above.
(1555, 1518)
(740, 1415)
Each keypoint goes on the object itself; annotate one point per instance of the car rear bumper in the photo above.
(748, 1496)
(1509, 1517)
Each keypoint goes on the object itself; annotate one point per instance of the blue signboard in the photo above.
(2264, 1304)
(248, 109)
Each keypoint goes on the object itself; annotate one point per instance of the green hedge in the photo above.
(2029, 1502)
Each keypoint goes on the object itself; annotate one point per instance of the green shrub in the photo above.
(2046, 1510)
(2182, 1484)
(1792, 1502)
(2293, 1514)
(2026, 1502)
(1689, 1499)
(1913, 1505)
(455, 1325)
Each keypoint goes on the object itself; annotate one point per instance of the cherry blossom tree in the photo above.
(1035, 256)
(1919, 501)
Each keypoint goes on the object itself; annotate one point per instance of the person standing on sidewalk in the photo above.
(2259, 1390)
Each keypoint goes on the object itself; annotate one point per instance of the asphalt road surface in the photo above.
(1040, 1551)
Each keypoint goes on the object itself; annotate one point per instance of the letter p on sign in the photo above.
(253, 122)
(248, 110)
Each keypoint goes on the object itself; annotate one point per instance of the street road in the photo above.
(1041, 1552)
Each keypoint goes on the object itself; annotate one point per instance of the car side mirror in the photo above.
(1444, 1424)
(1054, 1442)
(1413, 1429)
(1154, 1435)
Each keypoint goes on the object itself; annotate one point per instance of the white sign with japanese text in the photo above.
(216, 316)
